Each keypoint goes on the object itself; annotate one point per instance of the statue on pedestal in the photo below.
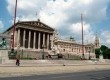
(3, 43)
(101, 57)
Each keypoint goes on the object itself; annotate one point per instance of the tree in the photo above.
(104, 51)
(103, 48)
(97, 52)
(108, 53)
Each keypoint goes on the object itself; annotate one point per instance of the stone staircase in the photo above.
(49, 62)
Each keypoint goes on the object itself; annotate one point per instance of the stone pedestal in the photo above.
(101, 58)
(3, 56)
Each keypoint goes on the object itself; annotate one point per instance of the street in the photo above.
(90, 75)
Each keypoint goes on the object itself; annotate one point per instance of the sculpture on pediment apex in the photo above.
(38, 20)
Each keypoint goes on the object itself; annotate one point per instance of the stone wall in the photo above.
(3, 55)
(32, 54)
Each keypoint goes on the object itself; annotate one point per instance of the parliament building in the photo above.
(35, 38)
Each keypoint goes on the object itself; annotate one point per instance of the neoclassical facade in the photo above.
(35, 38)
(32, 37)
(66, 46)
(73, 48)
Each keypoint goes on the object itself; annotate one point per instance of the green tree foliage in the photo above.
(97, 52)
(104, 51)
(108, 53)
(103, 48)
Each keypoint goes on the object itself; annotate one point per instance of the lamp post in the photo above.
(43, 46)
(89, 55)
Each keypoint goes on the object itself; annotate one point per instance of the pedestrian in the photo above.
(18, 55)
(17, 59)
(17, 62)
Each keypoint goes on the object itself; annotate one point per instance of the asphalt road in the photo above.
(91, 75)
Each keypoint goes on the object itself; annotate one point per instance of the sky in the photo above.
(64, 16)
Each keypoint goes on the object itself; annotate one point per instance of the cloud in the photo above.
(105, 37)
(87, 31)
(55, 12)
(25, 8)
(1, 25)
(77, 28)
(63, 15)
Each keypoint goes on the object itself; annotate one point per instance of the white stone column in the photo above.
(51, 37)
(18, 39)
(34, 40)
(29, 39)
(84, 49)
(47, 41)
(15, 39)
(43, 38)
(39, 35)
(24, 35)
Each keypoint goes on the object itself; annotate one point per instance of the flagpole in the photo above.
(82, 36)
(14, 27)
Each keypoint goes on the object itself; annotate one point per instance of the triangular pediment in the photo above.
(36, 24)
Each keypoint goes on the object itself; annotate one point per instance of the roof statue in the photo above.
(38, 20)
(56, 35)
(72, 38)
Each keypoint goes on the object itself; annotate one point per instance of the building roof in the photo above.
(33, 24)
(73, 42)
(4, 36)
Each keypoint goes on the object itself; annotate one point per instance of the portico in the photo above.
(32, 36)
(33, 39)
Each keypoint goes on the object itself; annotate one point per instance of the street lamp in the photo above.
(43, 46)
(89, 55)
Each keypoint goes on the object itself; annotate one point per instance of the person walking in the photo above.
(17, 59)
(18, 56)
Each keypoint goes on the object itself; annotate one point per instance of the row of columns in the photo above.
(74, 49)
(39, 44)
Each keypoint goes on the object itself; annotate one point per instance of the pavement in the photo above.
(40, 63)
(44, 67)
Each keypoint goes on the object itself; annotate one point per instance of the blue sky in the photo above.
(63, 15)
(5, 17)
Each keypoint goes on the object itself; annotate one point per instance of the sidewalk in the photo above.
(26, 71)
(39, 63)
(43, 67)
